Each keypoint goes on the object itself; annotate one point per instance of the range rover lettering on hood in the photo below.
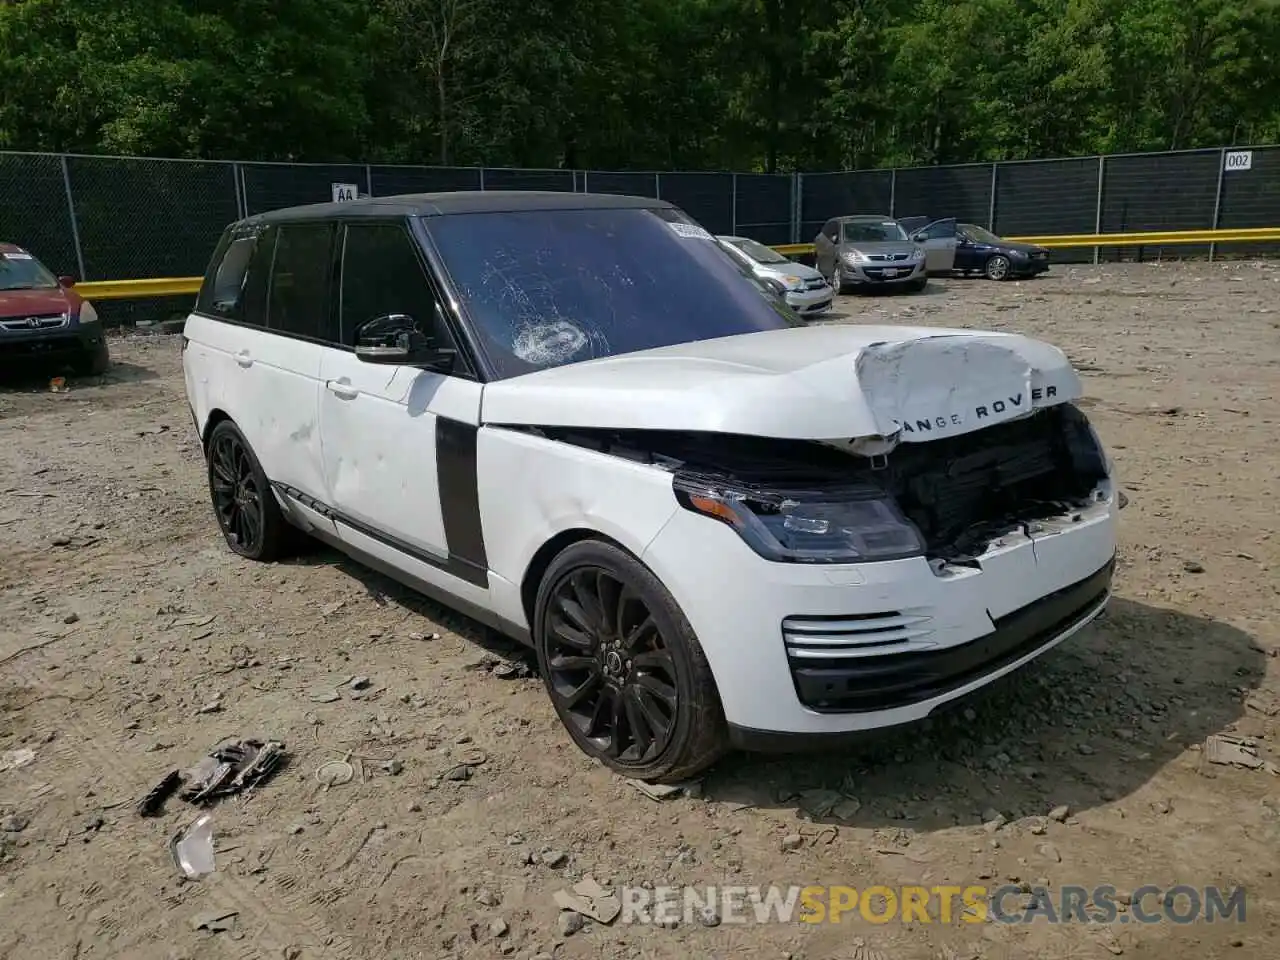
(872, 386)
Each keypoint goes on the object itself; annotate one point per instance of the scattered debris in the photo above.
(216, 921)
(1232, 751)
(589, 899)
(16, 759)
(151, 804)
(569, 923)
(360, 683)
(471, 756)
(192, 848)
(511, 669)
(1190, 566)
(792, 841)
(665, 791)
(335, 773)
(1060, 814)
(555, 858)
(13, 823)
(459, 773)
(192, 621)
(325, 696)
(229, 768)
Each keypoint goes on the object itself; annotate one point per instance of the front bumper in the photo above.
(1028, 268)
(73, 340)
(817, 650)
(811, 302)
(883, 273)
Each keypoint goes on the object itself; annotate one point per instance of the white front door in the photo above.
(397, 441)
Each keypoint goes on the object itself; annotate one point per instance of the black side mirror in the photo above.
(396, 339)
(918, 238)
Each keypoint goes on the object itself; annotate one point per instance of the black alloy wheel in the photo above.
(236, 496)
(610, 668)
(247, 511)
(622, 666)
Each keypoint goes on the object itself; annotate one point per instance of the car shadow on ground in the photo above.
(1088, 723)
(38, 377)
(383, 590)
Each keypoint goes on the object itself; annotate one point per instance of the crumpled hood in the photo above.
(834, 383)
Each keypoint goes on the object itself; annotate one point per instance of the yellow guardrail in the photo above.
(1136, 239)
(131, 289)
(190, 286)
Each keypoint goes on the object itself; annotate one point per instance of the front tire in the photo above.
(837, 278)
(997, 268)
(94, 364)
(623, 668)
(248, 514)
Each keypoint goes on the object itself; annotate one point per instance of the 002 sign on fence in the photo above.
(1237, 160)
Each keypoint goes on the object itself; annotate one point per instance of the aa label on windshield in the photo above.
(690, 231)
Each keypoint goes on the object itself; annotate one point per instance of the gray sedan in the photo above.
(870, 252)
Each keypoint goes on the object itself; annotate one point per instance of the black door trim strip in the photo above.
(464, 569)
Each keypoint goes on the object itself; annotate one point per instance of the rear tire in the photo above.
(248, 515)
(623, 667)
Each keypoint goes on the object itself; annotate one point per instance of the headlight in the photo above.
(854, 526)
(792, 283)
(87, 313)
(918, 254)
(855, 256)
(1018, 254)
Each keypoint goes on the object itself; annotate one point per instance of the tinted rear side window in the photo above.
(300, 280)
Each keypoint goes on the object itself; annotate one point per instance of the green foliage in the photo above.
(637, 84)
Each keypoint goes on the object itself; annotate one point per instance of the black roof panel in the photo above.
(462, 201)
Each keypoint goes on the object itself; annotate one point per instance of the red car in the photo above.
(42, 316)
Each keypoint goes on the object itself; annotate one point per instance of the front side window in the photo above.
(382, 275)
(544, 288)
(298, 302)
(873, 231)
(942, 230)
(976, 234)
(22, 271)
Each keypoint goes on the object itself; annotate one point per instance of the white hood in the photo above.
(834, 383)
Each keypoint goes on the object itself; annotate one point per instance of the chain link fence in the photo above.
(115, 218)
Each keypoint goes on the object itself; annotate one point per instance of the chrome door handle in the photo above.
(244, 359)
(344, 390)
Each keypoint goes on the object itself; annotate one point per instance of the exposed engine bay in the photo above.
(961, 493)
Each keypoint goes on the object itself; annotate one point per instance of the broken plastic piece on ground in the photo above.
(232, 766)
(591, 900)
(335, 773)
(511, 668)
(216, 921)
(58, 384)
(150, 805)
(14, 759)
(471, 756)
(1232, 751)
(192, 848)
(665, 791)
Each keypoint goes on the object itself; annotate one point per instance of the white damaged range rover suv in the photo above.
(573, 418)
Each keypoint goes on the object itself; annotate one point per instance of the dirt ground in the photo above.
(131, 639)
